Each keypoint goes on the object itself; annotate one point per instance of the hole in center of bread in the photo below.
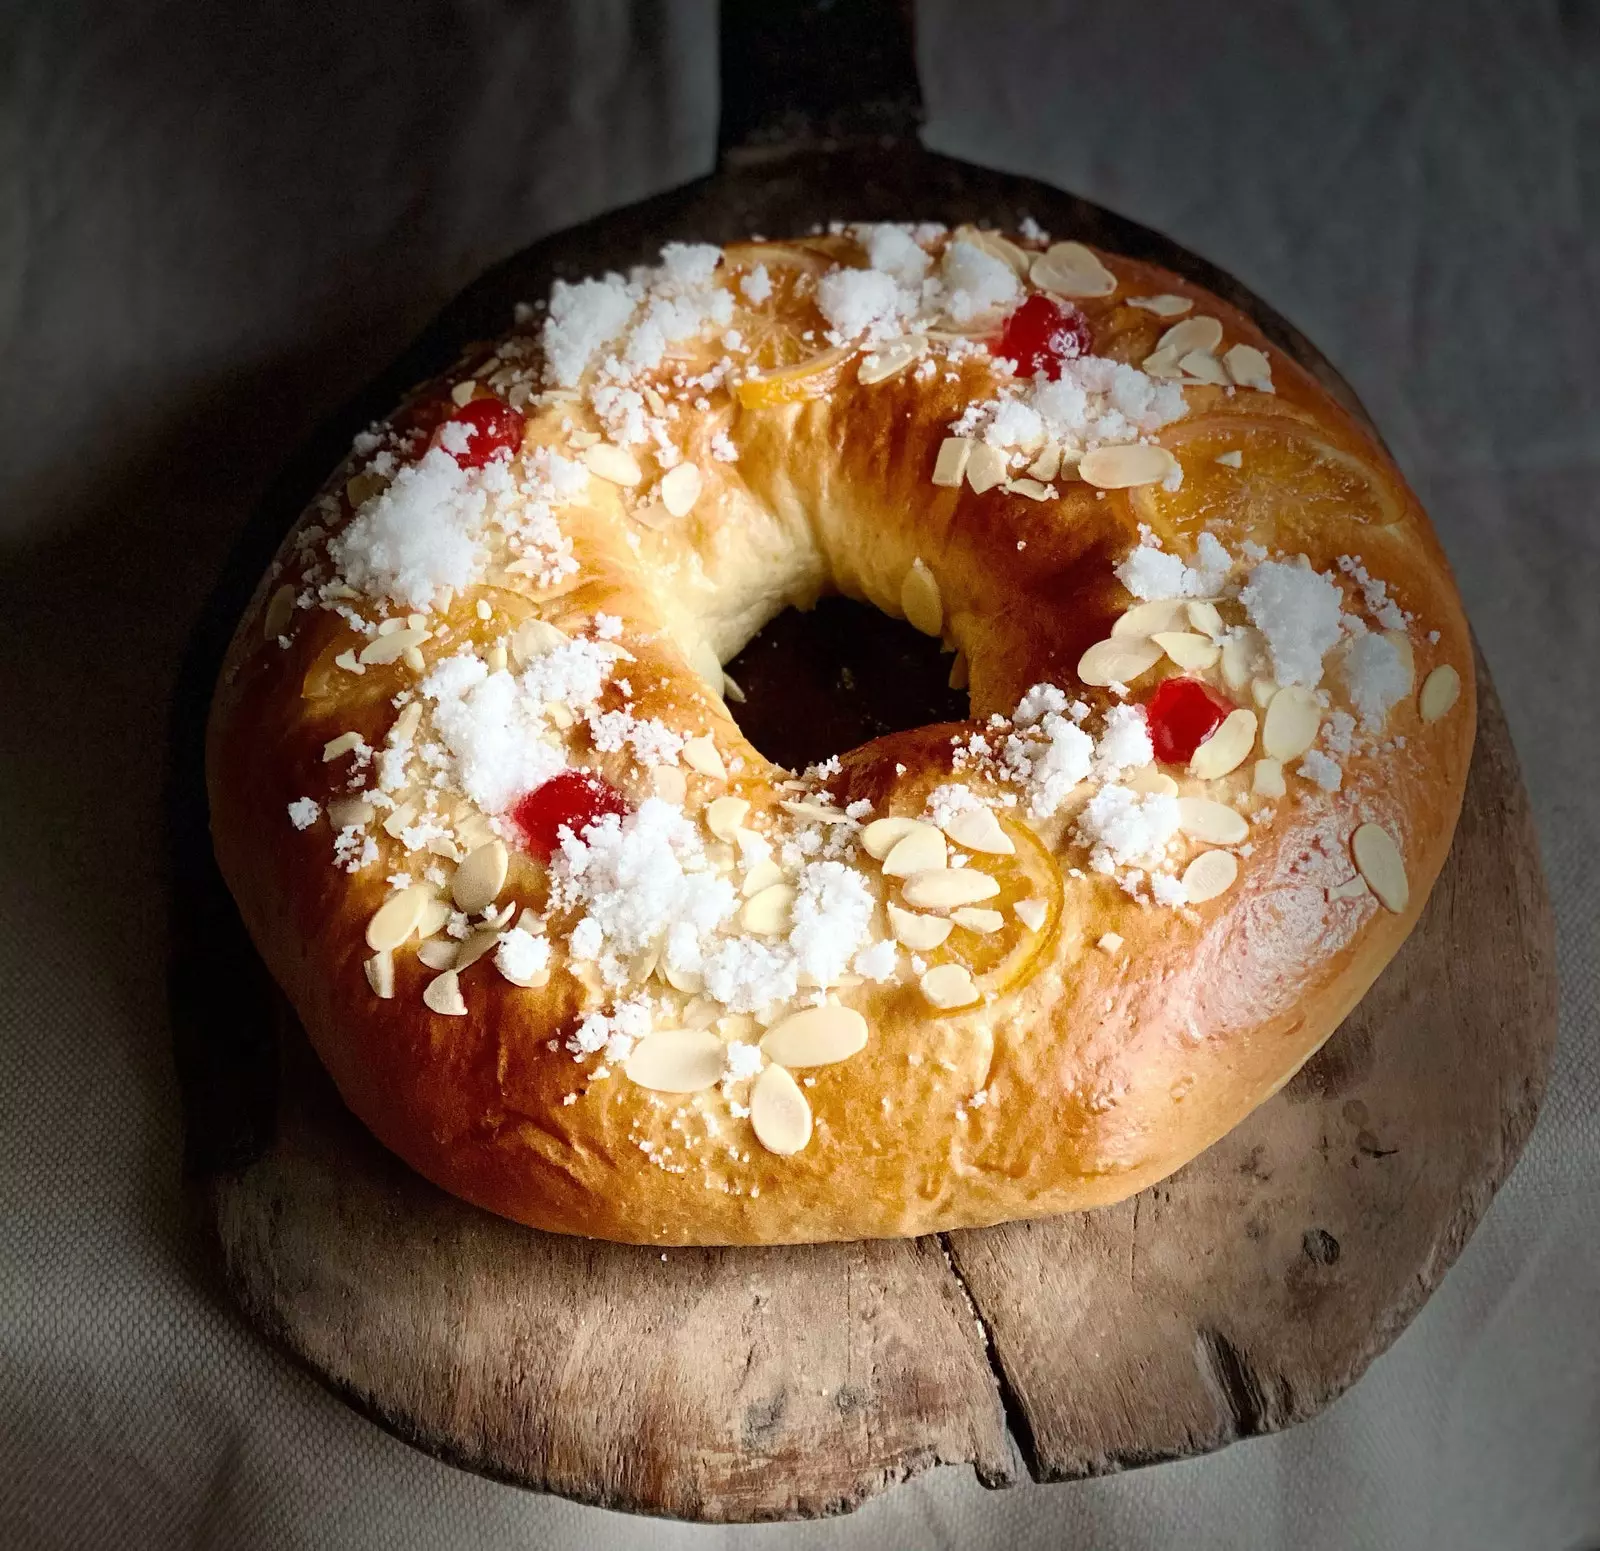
(822, 681)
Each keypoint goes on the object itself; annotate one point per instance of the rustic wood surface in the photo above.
(1239, 1296)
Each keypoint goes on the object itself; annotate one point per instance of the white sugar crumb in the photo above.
(608, 627)
(304, 812)
(583, 319)
(1150, 572)
(860, 301)
(1321, 771)
(757, 285)
(1338, 732)
(1298, 611)
(945, 802)
(1031, 231)
(893, 250)
(832, 921)
(877, 963)
(522, 955)
(1124, 828)
(1374, 593)
(1125, 742)
(1376, 677)
(741, 1060)
(1048, 761)
(975, 282)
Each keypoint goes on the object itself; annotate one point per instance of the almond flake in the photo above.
(979, 830)
(435, 914)
(960, 674)
(473, 948)
(462, 392)
(1381, 864)
(920, 849)
(361, 489)
(614, 464)
(974, 918)
(731, 690)
(1262, 691)
(1293, 717)
(437, 953)
(414, 659)
(690, 981)
(380, 973)
(392, 647)
(670, 784)
(725, 815)
(1266, 780)
(995, 246)
(1031, 912)
(986, 467)
(279, 611)
(1164, 306)
(1214, 822)
(763, 875)
(779, 1114)
(479, 879)
(347, 661)
(1232, 459)
(767, 913)
(818, 813)
(495, 658)
(1048, 464)
(890, 359)
(397, 917)
(948, 986)
(951, 464)
(1203, 616)
(920, 601)
(1145, 619)
(1071, 269)
(1127, 467)
(1203, 367)
(1249, 368)
(1351, 888)
(533, 638)
(819, 1036)
(1031, 488)
(1440, 691)
(443, 995)
(704, 660)
(700, 754)
(676, 1061)
(1203, 334)
(1110, 942)
(1227, 748)
(1148, 780)
(680, 488)
(1115, 661)
(1208, 875)
(345, 812)
(918, 932)
(1192, 652)
(482, 609)
(879, 838)
(1162, 364)
(946, 887)
(1241, 652)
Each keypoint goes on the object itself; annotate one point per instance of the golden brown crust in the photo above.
(1097, 1072)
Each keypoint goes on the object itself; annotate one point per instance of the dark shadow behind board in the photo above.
(1239, 1296)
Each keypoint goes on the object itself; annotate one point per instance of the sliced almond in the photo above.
(347, 812)
(1213, 822)
(995, 246)
(1162, 364)
(533, 638)
(1147, 619)
(767, 912)
(362, 487)
(779, 1114)
(1147, 779)
(1191, 651)
(1192, 334)
(1203, 616)
(920, 601)
(1048, 464)
(1203, 367)
(443, 995)
(879, 838)
(960, 674)
(279, 611)
(1293, 717)
(676, 1061)
(1266, 779)
(1379, 860)
(1440, 691)
(347, 661)
(762, 875)
(731, 690)
(1110, 942)
(890, 359)
(1232, 459)
(397, 917)
(479, 879)
(1241, 655)
(918, 850)
(690, 981)
(1071, 269)
(948, 986)
(473, 947)
(680, 488)
(1163, 306)
(979, 830)
(700, 754)
(495, 658)
(1126, 467)
(670, 784)
(1351, 888)
(343, 744)
(1249, 368)
(974, 918)
(1227, 748)
(435, 914)
(1031, 912)
(918, 932)
(950, 467)
(1031, 488)
(725, 816)
(1262, 691)
(1118, 660)
(438, 953)
(986, 467)
(946, 887)
(1401, 642)
(819, 1036)
(462, 392)
(414, 659)
(1208, 875)
(815, 812)
(614, 464)
(380, 974)
(392, 647)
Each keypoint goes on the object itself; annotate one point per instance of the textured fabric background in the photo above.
(217, 220)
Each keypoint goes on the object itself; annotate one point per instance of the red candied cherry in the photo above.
(573, 800)
(494, 430)
(1041, 334)
(1182, 714)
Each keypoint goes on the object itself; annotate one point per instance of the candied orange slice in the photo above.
(794, 384)
(1289, 480)
(785, 366)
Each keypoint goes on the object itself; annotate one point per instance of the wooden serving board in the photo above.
(1239, 1296)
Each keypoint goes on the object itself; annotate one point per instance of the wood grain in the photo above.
(1239, 1296)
